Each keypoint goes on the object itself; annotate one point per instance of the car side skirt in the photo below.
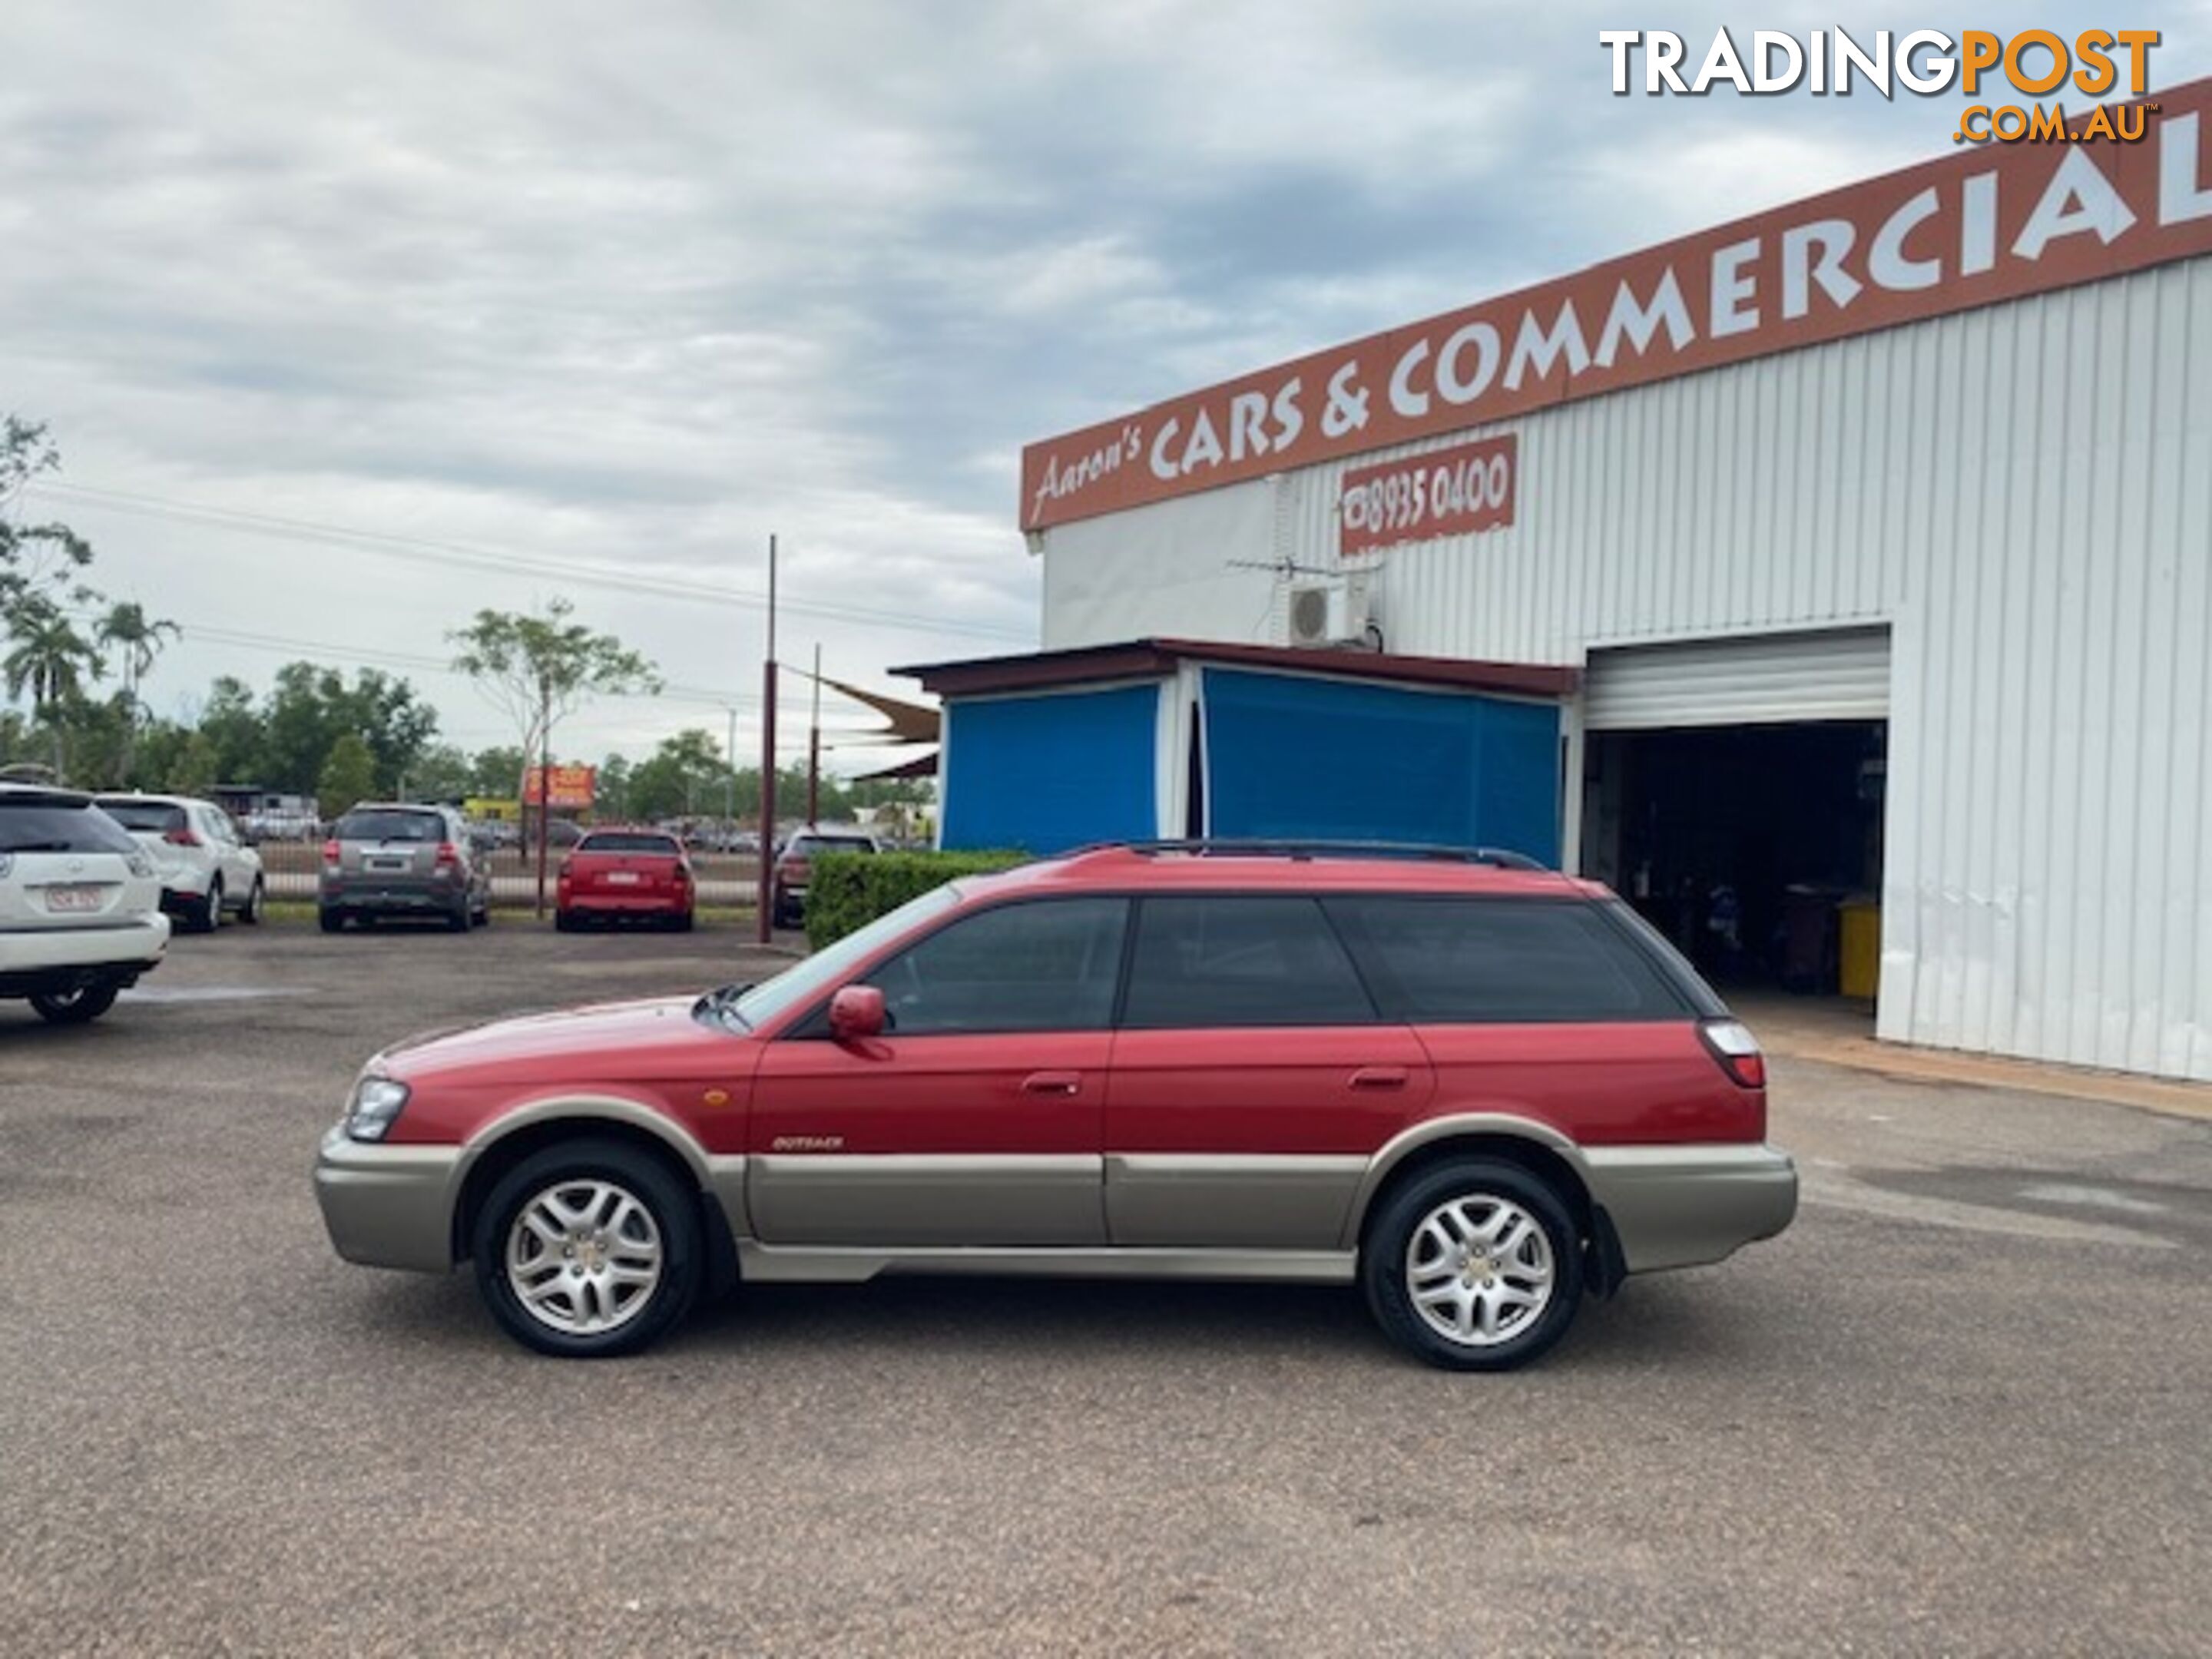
(831, 1265)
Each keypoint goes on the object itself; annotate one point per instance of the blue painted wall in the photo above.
(1048, 773)
(1330, 759)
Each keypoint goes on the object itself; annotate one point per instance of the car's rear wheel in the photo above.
(457, 920)
(207, 914)
(1475, 1265)
(331, 921)
(587, 1250)
(79, 1006)
(257, 903)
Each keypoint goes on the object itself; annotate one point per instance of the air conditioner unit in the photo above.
(1328, 613)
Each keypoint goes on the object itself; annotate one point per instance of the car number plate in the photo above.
(387, 864)
(622, 878)
(73, 898)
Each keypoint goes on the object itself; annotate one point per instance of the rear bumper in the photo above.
(41, 960)
(389, 1207)
(405, 894)
(626, 904)
(1682, 1206)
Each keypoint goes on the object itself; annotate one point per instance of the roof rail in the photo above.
(1498, 857)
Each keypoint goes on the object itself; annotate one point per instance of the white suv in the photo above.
(205, 865)
(80, 904)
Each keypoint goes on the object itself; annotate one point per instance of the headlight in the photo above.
(376, 1101)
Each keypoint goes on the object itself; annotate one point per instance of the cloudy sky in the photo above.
(351, 320)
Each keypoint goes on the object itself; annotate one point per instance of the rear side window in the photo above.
(622, 841)
(390, 826)
(1472, 961)
(1050, 965)
(149, 816)
(43, 823)
(1240, 960)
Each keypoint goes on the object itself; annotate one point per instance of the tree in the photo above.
(311, 707)
(349, 776)
(199, 767)
(441, 773)
(683, 776)
(34, 558)
(233, 730)
(136, 640)
(49, 658)
(615, 773)
(496, 772)
(539, 669)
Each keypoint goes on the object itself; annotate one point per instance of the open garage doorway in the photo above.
(1748, 846)
(1734, 792)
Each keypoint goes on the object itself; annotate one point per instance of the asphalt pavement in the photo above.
(1964, 1406)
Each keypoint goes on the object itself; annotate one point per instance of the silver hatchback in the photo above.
(403, 859)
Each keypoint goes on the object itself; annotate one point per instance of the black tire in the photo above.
(205, 915)
(686, 922)
(457, 921)
(330, 920)
(563, 922)
(256, 899)
(674, 1212)
(1384, 1257)
(79, 1007)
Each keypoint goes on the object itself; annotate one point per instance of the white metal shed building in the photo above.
(1879, 528)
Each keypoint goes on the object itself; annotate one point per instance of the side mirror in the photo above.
(856, 1014)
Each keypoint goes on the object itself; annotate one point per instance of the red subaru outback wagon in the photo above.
(1479, 1091)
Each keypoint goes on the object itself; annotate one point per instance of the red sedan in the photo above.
(626, 875)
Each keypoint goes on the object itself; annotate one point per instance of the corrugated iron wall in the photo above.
(2023, 493)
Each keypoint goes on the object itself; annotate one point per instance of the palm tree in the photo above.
(137, 639)
(51, 661)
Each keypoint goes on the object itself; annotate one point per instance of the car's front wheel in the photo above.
(1475, 1265)
(78, 1006)
(589, 1249)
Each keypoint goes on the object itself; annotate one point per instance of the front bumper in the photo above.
(1683, 1207)
(390, 1206)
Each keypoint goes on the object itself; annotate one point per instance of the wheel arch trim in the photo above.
(1456, 1126)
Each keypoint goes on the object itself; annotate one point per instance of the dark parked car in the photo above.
(793, 864)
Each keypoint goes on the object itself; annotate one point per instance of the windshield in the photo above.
(49, 823)
(806, 845)
(808, 980)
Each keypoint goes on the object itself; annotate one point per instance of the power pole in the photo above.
(544, 782)
(814, 748)
(763, 896)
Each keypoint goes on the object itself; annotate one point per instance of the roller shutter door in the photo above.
(1766, 679)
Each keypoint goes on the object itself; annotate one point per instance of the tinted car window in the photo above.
(1046, 966)
(1464, 960)
(809, 846)
(153, 817)
(45, 824)
(618, 841)
(1256, 961)
(391, 826)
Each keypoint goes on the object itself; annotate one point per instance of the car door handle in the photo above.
(1379, 1076)
(1053, 1083)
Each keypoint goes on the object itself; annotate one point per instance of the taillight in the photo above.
(794, 869)
(331, 852)
(1730, 1042)
(183, 837)
(448, 853)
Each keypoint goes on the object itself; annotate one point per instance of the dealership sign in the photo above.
(1419, 498)
(572, 785)
(1973, 228)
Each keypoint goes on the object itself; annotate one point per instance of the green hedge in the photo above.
(848, 890)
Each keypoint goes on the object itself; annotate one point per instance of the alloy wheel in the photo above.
(584, 1257)
(1479, 1270)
